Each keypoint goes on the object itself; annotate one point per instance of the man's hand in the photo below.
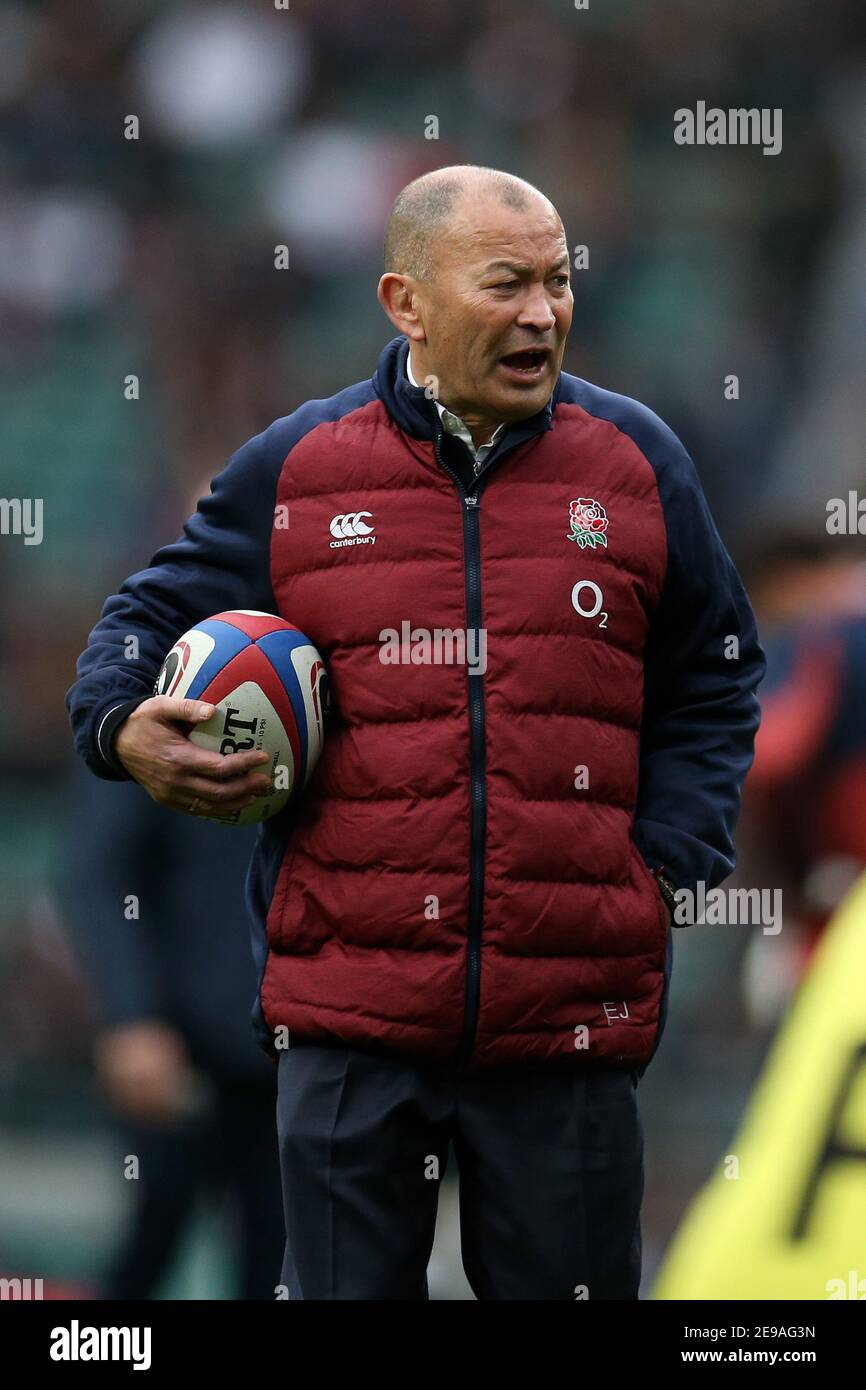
(176, 773)
(145, 1071)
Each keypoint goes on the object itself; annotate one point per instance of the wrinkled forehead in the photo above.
(484, 230)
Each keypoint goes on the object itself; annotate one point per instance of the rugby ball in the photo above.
(270, 691)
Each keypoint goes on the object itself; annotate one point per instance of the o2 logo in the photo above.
(586, 599)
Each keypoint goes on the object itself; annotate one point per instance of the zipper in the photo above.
(477, 755)
(477, 750)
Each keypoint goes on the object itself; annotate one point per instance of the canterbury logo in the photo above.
(351, 524)
(351, 528)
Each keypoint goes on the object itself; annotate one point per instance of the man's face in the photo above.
(498, 309)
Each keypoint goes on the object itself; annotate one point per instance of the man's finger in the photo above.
(187, 757)
(207, 805)
(189, 711)
(241, 790)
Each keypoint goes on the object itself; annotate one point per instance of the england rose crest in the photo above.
(588, 522)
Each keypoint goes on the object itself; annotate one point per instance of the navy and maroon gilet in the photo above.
(449, 888)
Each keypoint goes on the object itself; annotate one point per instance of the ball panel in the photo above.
(312, 679)
(293, 657)
(183, 663)
(228, 642)
(253, 623)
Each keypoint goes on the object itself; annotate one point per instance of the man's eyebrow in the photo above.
(522, 267)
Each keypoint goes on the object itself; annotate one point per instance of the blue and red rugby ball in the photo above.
(269, 687)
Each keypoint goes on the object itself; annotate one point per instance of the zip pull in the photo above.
(471, 500)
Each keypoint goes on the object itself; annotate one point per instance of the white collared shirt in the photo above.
(454, 425)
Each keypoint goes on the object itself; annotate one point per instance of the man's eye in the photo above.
(561, 279)
(505, 285)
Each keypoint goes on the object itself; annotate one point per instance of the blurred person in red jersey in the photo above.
(804, 809)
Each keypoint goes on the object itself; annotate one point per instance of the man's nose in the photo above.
(536, 310)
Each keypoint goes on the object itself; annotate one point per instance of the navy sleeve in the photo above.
(703, 663)
(221, 561)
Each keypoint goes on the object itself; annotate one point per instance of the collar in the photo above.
(413, 411)
(453, 424)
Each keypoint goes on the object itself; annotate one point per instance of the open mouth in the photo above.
(528, 363)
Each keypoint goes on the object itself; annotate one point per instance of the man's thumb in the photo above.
(194, 711)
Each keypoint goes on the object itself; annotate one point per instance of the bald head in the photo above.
(426, 208)
(477, 278)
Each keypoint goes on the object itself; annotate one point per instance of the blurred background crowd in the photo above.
(153, 258)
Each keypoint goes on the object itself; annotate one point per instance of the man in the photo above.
(465, 924)
(190, 1093)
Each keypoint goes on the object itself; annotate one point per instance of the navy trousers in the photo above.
(229, 1152)
(550, 1166)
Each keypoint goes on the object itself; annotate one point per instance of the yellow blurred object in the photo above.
(792, 1223)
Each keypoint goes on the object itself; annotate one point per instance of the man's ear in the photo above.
(398, 296)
